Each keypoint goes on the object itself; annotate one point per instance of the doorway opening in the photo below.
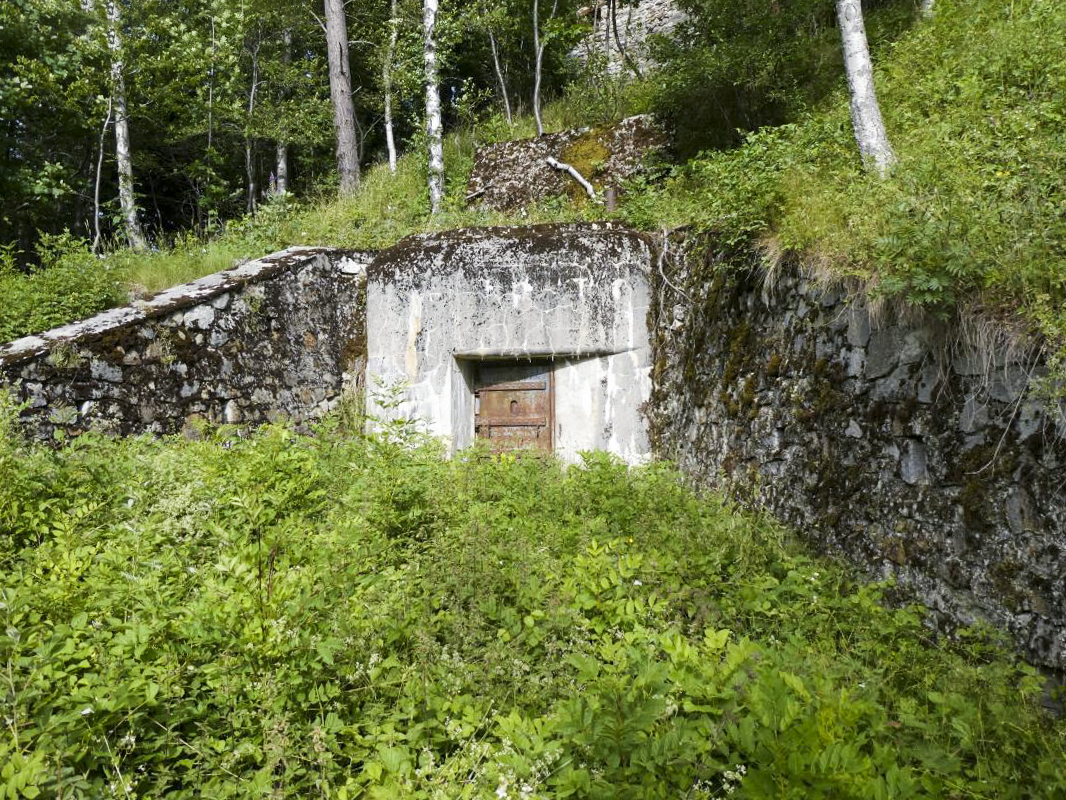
(514, 404)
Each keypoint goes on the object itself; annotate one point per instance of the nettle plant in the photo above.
(351, 615)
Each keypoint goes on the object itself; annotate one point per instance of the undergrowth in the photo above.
(974, 214)
(71, 283)
(345, 617)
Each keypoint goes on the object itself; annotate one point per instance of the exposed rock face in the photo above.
(878, 444)
(274, 338)
(635, 23)
(509, 175)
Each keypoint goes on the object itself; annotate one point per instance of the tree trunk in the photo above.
(96, 188)
(281, 184)
(386, 80)
(866, 119)
(249, 164)
(123, 160)
(538, 52)
(618, 41)
(340, 92)
(281, 181)
(538, 49)
(499, 76)
(434, 129)
(927, 8)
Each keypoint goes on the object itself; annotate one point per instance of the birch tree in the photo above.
(539, 44)
(340, 92)
(253, 48)
(874, 147)
(281, 184)
(434, 129)
(123, 158)
(386, 82)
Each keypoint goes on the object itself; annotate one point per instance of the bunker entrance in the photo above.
(513, 405)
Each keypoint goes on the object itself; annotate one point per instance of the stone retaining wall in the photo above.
(275, 338)
(897, 447)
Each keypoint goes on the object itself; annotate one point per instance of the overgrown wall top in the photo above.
(279, 337)
(900, 447)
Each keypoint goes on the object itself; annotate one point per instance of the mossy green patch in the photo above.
(586, 154)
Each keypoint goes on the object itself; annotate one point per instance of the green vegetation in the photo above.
(346, 616)
(974, 215)
(972, 218)
(71, 283)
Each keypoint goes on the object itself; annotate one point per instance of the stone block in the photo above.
(883, 352)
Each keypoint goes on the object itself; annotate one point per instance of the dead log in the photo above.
(577, 176)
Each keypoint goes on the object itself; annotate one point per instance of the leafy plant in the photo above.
(350, 615)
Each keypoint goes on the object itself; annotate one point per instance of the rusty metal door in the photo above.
(513, 405)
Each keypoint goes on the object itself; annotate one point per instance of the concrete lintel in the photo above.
(490, 354)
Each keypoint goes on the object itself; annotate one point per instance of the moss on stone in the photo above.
(973, 498)
(1003, 576)
(773, 366)
(586, 154)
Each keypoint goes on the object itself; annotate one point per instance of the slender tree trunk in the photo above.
(606, 34)
(340, 92)
(211, 94)
(538, 48)
(386, 80)
(282, 159)
(927, 8)
(866, 119)
(434, 128)
(249, 164)
(499, 76)
(618, 41)
(281, 167)
(538, 52)
(96, 189)
(123, 159)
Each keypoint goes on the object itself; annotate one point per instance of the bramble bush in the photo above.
(354, 616)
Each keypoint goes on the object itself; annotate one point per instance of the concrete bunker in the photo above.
(528, 337)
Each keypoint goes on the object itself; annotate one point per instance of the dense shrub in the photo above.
(732, 68)
(69, 284)
(295, 617)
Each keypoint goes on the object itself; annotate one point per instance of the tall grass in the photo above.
(329, 616)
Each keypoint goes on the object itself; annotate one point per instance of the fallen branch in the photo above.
(577, 176)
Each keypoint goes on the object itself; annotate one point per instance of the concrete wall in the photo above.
(278, 337)
(898, 447)
(574, 295)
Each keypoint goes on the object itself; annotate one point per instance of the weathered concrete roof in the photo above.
(556, 247)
